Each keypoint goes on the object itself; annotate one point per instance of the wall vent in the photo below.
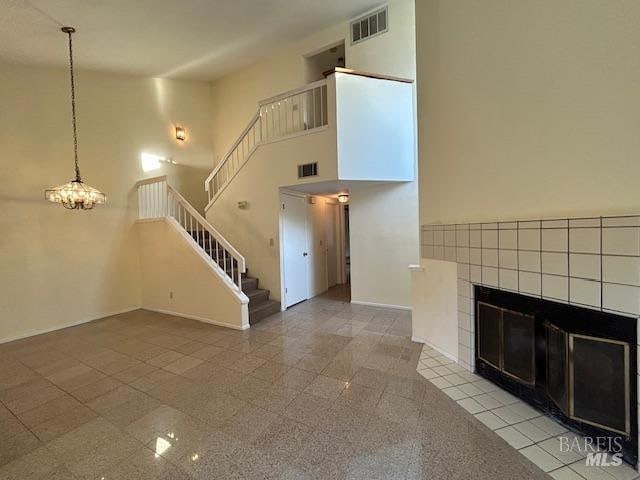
(369, 25)
(308, 170)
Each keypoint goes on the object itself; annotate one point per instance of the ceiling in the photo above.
(195, 39)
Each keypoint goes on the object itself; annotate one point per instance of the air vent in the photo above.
(308, 170)
(369, 25)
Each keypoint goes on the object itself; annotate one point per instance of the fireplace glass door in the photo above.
(557, 365)
(507, 341)
(599, 382)
(518, 345)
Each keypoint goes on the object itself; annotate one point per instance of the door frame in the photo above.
(283, 283)
(341, 267)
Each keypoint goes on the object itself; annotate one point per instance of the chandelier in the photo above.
(75, 194)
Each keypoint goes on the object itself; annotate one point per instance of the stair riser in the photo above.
(258, 298)
(249, 284)
(263, 313)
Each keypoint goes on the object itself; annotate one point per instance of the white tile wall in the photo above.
(591, 262)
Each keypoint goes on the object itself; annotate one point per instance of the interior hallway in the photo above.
(324, 390)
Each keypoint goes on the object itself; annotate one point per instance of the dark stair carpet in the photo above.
(260, 305)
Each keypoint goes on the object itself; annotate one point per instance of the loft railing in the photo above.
(157, 199)
(291, 113)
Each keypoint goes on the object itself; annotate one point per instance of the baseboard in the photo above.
(199, 319)
(40, 331)
(450, 356)
(382, 305)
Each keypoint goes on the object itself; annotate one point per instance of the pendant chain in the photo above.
(73, 109)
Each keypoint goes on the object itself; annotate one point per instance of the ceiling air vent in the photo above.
(369, 25)
(308, 170)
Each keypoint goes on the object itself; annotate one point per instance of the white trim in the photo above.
(295, 91)
(283, 280)
(220, 274)
(450, 356)
(244, 326)
(146, 181)
(382, 305)
(40, 331)
(149, 220)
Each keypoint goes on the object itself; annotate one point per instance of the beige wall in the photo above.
(528, 109)
(234, 101)
(384, 242)
(176, 279)
(255, 231)
(59, 267)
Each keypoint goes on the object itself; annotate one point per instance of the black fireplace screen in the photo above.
(599, 382)
(507, 341)
(577, 364)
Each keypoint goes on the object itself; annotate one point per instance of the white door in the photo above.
(294, 246)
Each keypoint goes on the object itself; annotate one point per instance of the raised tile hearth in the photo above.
(533, 434)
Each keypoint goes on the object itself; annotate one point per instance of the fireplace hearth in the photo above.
(578, 365)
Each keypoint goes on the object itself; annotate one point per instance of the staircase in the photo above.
(292, 113)
(260, 306)
(157, 199)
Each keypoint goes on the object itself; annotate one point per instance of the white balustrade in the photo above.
(291, 113)
(157, 199)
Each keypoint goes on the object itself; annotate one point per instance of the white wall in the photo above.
(59, 267)
(435, 305)
(375, 124)
(176, 279)
(234, 101)
(528, 109)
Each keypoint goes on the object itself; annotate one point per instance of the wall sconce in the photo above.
(181, 134)
(343, 198)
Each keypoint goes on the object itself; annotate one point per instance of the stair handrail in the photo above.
(214, 185)
(224, 158)
(293, 92)
(242, 266)
(158, 199)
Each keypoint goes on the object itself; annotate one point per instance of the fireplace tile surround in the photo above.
(588, 262)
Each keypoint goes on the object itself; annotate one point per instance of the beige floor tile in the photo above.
(326, 387)
(182, 365)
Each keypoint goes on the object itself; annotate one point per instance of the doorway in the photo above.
(294, 247)
(317, 63)
(314, 245)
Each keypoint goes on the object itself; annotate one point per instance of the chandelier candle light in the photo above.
(75, 194)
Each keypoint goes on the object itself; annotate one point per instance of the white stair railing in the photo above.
(157, 199)
(291, 113)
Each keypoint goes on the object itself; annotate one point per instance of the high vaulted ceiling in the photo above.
(196, 39)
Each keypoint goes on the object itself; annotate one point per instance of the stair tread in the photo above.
(257, 292)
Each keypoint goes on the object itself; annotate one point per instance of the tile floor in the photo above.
(533, 434)
(324, 390)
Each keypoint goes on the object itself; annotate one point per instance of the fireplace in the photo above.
(578, 365)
